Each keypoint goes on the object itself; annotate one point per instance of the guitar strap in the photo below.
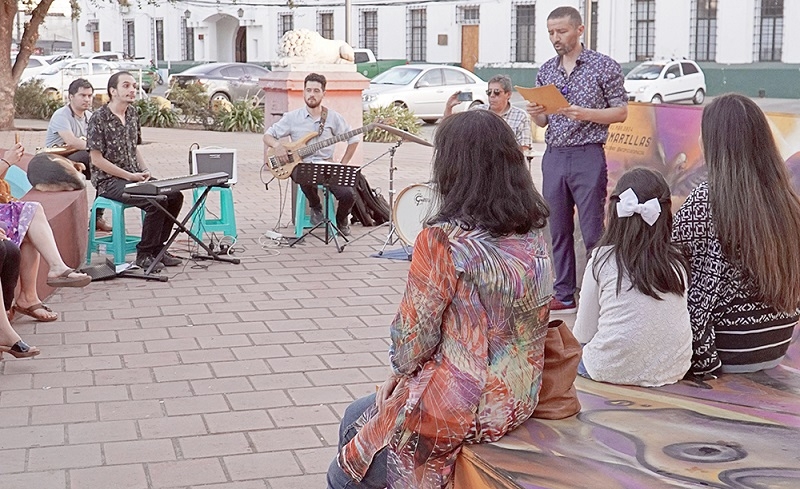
(322, 120)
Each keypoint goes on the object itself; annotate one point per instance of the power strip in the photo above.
(272, 234)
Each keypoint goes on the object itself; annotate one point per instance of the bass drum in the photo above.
(414, 206)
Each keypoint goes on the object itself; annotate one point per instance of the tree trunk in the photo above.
(9, 76)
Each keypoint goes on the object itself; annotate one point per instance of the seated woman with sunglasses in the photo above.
(499, 95)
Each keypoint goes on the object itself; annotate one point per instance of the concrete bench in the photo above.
(68, 215)
(738, 431)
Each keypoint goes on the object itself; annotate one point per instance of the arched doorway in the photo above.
(241, 44)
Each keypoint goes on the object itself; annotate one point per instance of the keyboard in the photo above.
(166, 185)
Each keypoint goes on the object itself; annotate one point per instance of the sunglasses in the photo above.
(494, 92)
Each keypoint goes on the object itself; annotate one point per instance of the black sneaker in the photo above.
(145, 260)
(170, 260)
(316, 216)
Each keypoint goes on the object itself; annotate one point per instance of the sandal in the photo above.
(31, 311)
(65, 280)
(20, 349)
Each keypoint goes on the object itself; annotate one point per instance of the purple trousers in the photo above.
(574, 176)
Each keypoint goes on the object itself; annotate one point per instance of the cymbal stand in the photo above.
(391, 237)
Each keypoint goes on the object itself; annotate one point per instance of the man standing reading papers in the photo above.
(574, 165)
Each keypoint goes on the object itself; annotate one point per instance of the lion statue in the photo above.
(303, 46)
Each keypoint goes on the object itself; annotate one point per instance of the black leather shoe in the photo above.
(144, 262)
(316, 216)
(170, 260)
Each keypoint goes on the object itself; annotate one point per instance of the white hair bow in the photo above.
(629, 205)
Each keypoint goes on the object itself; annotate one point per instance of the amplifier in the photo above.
(213, 160)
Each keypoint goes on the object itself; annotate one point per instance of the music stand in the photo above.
(325, 174)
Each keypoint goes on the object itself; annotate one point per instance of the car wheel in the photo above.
(474, 103)
(699, 97)
(657, 99)
(429, 120)
(400, 104)
(220, 96)
(51, 93)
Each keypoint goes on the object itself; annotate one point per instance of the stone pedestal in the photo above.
(284, 93)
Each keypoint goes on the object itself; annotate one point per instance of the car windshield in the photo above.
(197, 70)
(645, 72)
(396, 76)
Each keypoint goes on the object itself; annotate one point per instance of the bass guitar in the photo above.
(282, 166)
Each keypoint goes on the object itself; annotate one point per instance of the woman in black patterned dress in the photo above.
(740, 231)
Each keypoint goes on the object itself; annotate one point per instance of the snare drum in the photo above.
(413, 206)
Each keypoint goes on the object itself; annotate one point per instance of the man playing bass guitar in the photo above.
(314, 118)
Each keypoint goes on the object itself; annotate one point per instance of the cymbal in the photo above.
(405, 136)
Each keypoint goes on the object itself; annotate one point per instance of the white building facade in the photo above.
(488, 32)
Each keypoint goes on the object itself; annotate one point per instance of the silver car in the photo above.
(223, 81)
(424, 89)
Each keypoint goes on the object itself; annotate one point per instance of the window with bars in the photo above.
(160, 39)
(129, 38)
(187, 40)
(644, 29)
(417, 34)
(369, 30)
(770, 45)
(705, 30)
(325, 24)
(468, 14)
(285, 23)
(524, 33)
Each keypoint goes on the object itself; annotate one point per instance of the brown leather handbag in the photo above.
(558, 398)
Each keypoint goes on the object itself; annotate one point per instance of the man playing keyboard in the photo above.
(113, 138)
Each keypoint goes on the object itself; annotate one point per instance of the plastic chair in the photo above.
(226, 223)
(17, 181)
(118, 243)
(302, 217)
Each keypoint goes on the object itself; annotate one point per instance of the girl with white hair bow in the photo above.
(632, 316)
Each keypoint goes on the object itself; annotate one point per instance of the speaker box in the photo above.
(211, 160)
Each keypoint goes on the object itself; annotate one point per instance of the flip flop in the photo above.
(64, 280)
(31, 311)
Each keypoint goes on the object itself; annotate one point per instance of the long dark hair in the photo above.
(755, 210)
(482, 178)
(643, 253)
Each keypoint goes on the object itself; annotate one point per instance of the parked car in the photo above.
(369, 66)
(96, 71)
(36, 65)
(424, 89)
(223, 81)
(666, 81)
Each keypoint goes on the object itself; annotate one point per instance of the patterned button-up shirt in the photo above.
(116, 142)
(596, 82)
(518, 120)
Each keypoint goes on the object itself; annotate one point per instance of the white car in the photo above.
(424, 89)
(97, 71)
(36, 66)
(666, 81)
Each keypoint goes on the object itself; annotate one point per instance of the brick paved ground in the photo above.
(227, 376)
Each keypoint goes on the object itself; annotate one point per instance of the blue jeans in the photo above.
(375, 477)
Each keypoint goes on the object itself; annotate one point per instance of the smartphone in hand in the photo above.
(465, 96)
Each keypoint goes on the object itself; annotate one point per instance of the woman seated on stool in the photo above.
(10, 342)
(468, 339)
(740, 232)
(27, 227)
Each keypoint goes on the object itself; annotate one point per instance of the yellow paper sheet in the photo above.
(548, 96)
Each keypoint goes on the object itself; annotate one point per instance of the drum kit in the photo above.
(414, 204)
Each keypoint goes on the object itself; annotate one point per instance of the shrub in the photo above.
(156, 113)
(31, 101)
(243, 116)
(391, 115)
(192, 102)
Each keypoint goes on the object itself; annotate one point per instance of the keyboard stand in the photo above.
(211, 254)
